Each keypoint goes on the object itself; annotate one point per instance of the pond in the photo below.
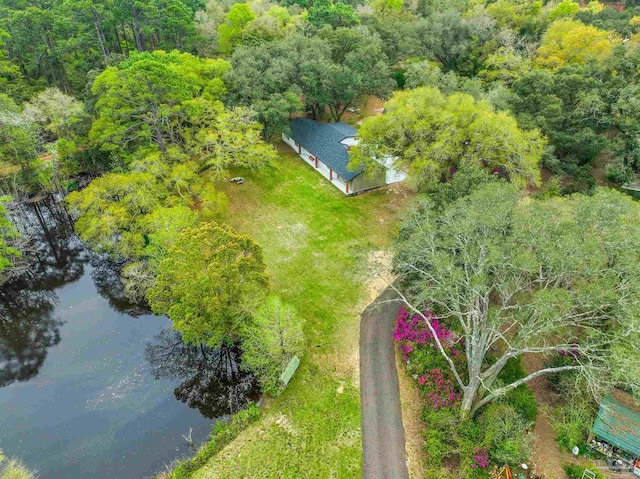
(90, 385)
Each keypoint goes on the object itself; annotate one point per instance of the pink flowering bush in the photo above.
(461, 443)
(414, 330)
(480, 458)
(440, 389)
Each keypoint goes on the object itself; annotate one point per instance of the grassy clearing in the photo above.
(316, 243)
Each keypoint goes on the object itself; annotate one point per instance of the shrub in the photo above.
(572, 423)
(14, 469)
(521, 398)
(505, 434)
(618, 172)
(581, 180)
(523, 401)
(411, 331)
(439, 437)
(575, 472)
(270, 340)
(446, 437)
(563, 382)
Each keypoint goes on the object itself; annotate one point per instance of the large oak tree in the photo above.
(517, 276)
(208, 284)
(430, 134)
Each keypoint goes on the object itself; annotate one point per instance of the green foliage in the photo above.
(270, 340)
(428, 74)
(136, 216)
(500, 430)
(462, 183)
(524, 402)
(438, 439)
(145, 100)
(572, 110)
(506, 434)
(274, 23)
(8, 233)
(521, 398)
(485, 254)
(230, 31)
(11, 79)
(430, 134)
(337, 70)
(455, 38)
(209, 283)
(326, 12)
(566, 8)
(550, 189)
(14, 469)
(572, 42)
(386, 7)
(514, 15)
(505, 65)
(59, 115)
(222, 434)
(58, 44)
(118, 213)
(21, 149)
(576, 472)
(161, 112)
(572, 422)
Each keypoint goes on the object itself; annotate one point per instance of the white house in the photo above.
(325, 146)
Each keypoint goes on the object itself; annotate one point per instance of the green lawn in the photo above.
(316, 244)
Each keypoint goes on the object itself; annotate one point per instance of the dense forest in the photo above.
(134, 111)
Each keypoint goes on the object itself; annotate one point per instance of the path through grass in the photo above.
(316, 243)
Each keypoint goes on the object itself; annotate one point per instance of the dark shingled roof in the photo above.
(619, 423)
(322, 140)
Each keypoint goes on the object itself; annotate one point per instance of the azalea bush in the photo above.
(417, 344)
(497, 436)
(412, 331)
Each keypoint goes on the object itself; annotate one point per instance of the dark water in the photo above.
(90, 385)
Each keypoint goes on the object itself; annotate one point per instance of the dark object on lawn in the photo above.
(238, 179)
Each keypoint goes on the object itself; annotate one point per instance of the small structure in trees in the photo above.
(632, 189)
(325, 146)
(616, 431)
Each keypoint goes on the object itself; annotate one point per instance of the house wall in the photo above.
(361, 182)
(319, 166)
(366, 182)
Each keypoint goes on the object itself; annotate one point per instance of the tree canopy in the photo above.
(332, 71)
(271, 339)
(432, 135)
(571, 41)
(208, 283)
(143, 100)
(521, 276)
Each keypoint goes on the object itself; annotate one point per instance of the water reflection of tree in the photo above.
(106, 276)
(54, 255)
(27, 330)
(211, 379)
